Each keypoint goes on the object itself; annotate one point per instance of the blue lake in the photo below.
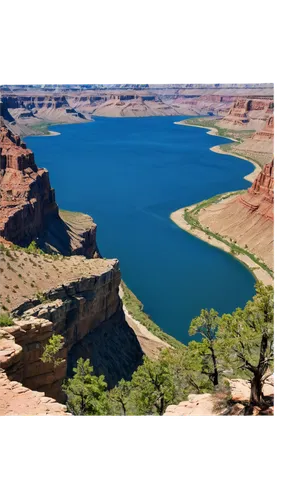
(129, 174)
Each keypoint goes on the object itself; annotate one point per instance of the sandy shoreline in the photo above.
(211, 130)
(51, 132)
(178, 216)
(260, 274)
(216, 149)
(249, 177)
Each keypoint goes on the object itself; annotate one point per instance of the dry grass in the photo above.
(23, 276)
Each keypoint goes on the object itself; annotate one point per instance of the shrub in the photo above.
(6, 320)
(52, 349)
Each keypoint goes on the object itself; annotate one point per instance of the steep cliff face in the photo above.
(263, 186)
(247, 218)
(85, 308)
(28, 207)
(26, 194)
(248, 113)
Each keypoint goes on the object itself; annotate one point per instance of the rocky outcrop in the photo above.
(55, 107)
(232, 402)
(70, 233)
(263, 186)
(238, 112)
(28, 207)
(247, 219)
(88, 313)
(267, 132)
(248, 113)
(15, 399)
(17, 361)
(197, 405)
(26, 195)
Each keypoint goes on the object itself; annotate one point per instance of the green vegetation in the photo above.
(237, 344)
(206, 325)
(52, 349)
(32, 249)
(41, 297)
(42, 128)
(214, 199)
(245, 340)
(119, 398)
(135, 308)
(86, 393)
(247, 156)
(191, 218)
(6, 320)
(238, 135)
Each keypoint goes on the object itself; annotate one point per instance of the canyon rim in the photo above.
(60, 273)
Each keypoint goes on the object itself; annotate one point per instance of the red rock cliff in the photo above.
(264, 183)
(248, 218)
(28, 210)
(26, 196)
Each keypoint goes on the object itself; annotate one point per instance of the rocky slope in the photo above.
(24, 110)
(248, 218)
(232, 402)
(262, 141)
(248, 113)
(28, 210)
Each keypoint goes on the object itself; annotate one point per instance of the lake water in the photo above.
(129, 174)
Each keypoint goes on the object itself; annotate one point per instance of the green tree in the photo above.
(52, 349)
(86, 393)
(185, 368)
(206, 324)
(119, 398)
(198, 368)
(153, 387)
(245, 340)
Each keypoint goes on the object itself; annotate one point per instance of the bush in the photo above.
(52, 349)
(6, 320)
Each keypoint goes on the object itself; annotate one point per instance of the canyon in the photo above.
(60, 285)
(28, 108)
(67, 287)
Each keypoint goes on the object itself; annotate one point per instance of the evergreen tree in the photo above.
(153, 387)
(86, 393)
(119, 398)
(245, 340)
(52, 349)
(206, 324)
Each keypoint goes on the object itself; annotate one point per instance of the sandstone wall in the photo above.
(247, 218)
(88, 313)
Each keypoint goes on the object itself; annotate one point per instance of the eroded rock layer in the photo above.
(87, 312)
(248, 218)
